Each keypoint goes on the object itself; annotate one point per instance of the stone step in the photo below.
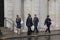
(6, 31)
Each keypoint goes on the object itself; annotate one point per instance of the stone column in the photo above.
(36, 9)
(43, 14)
(17, 11)
(27, 9)
(59, 11)
(58, 14)
(53, 12)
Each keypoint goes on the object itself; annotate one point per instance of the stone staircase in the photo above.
(8, 34)
(6, 31)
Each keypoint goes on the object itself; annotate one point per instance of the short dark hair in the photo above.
(47, 15)
(35, 14)
(29, 15)
(17, 15)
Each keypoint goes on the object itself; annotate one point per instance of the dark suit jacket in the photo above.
(29, 22)
(35, 21)
(48, 21)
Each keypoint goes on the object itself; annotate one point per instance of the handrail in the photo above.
(12, 22)
(7, 19)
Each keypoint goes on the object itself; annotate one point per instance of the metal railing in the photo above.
(10, 21)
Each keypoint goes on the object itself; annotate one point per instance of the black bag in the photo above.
(31, 24)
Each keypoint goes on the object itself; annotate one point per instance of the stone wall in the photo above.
(11, 9)
(39, 7)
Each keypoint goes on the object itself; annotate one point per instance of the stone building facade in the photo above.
(39, 7)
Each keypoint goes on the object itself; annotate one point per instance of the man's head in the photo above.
(17, 15)
(35, 15)
(47, 16)
(29, 15)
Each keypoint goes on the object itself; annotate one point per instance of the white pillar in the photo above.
(17, 11)
(43, 14)
(36, 9)
(54, 14)
(27, 9)
(58, 14)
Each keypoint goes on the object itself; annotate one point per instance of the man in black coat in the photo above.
(48, 23)
(29, 23)
(35, 22)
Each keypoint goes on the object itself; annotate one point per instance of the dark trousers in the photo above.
(35, 28)
(48, 28)
(0, 33)
(29, 30)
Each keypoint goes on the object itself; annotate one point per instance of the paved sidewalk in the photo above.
(24, 35)
(11, 34)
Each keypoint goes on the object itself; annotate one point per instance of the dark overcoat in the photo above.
(29, 22)
(35, 21)
(48, 21)
(18, 21)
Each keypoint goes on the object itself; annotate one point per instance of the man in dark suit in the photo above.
(35, 22)
(29, 24)
(48, 23)
(18, 22)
